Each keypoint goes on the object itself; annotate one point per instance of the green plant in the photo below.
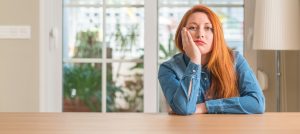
(88, 45)
(170, 50)
(125, 39)
(83, 81)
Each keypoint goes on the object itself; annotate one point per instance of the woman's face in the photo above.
(201, 31)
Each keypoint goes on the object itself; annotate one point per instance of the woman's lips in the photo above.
(199, 42)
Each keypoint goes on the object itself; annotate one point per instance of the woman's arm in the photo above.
(251, 100)
(181, 100)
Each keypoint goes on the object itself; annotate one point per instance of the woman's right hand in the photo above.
(201, 108)
(189, 47)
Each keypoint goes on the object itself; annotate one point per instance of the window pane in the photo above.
(168, 21)
(191, 2)
(125, 87)
(222, 1)
(177, 2)
(233, 25)
(82, 87)
(83, 1)
(125, 2)
(125, 32)
(82, 29)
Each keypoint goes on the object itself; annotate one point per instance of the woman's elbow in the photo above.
(253, 105)
(183, 110)
(260, 109)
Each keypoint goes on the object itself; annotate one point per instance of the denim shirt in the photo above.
(176, 75)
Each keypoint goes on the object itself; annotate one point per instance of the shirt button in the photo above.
(205, 78)
(194, 71)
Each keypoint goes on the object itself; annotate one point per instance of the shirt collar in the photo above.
(186, 59)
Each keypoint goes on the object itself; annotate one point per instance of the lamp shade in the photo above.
(277, 25)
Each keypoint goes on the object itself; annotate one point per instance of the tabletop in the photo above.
(147, 123)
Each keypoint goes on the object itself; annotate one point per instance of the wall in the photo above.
(266, 63)
(289, 79)
(19, 58)
(292, 65)
(291, 69)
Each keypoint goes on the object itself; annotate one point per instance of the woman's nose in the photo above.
(200, 33)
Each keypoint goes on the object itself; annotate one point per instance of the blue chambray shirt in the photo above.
(176, 74)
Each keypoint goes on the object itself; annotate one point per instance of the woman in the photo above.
(207, 76)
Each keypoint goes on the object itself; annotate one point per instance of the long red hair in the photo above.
(221, 62)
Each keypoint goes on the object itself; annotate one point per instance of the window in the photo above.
(105, 46)
(103, 52)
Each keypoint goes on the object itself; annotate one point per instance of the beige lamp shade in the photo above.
(277, 25)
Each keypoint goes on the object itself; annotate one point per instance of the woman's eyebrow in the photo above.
(192, 23)
(207, 23)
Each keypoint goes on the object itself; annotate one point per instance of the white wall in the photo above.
(19, 58)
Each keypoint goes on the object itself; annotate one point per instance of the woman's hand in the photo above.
(201, 108)
(189, 47)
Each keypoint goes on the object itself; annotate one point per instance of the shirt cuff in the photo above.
(214, 106)
(193, 69)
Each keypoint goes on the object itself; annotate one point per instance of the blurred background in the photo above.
(97, 55)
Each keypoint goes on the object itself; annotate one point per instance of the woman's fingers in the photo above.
(190, 39)
(183, 37)
(185, 41)
(191, 48)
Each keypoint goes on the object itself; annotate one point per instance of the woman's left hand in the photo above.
(201, 108)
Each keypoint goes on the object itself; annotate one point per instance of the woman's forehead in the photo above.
(198, 18)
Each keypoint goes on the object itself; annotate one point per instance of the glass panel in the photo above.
(125, 87)
(222, 1)
(168, 21)
(82, 31)
(233, 25)
(125, 2)
(191, 2)
(83, 2)
(178, 2)
(82, 87)
(125, 32)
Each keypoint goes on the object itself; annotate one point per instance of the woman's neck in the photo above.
(204, 59)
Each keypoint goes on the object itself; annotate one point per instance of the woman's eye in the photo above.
(208, 28)
(192, 28)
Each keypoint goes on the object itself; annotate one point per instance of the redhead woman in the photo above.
(207, 76)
